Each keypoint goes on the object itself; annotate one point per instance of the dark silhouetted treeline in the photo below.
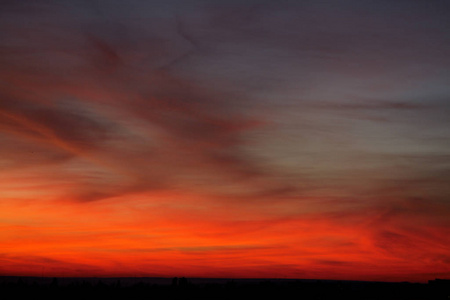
(182, 288)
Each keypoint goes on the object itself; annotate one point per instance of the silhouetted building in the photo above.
(440, 288)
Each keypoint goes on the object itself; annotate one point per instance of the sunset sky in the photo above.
(263, 139)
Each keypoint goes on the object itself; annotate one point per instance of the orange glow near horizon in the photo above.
(174, 235)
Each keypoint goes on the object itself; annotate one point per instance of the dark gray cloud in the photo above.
(263, 99)
(87, 84)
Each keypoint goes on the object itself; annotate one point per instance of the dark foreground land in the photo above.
(182, 288)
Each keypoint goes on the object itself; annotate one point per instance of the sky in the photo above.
(233, 139)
